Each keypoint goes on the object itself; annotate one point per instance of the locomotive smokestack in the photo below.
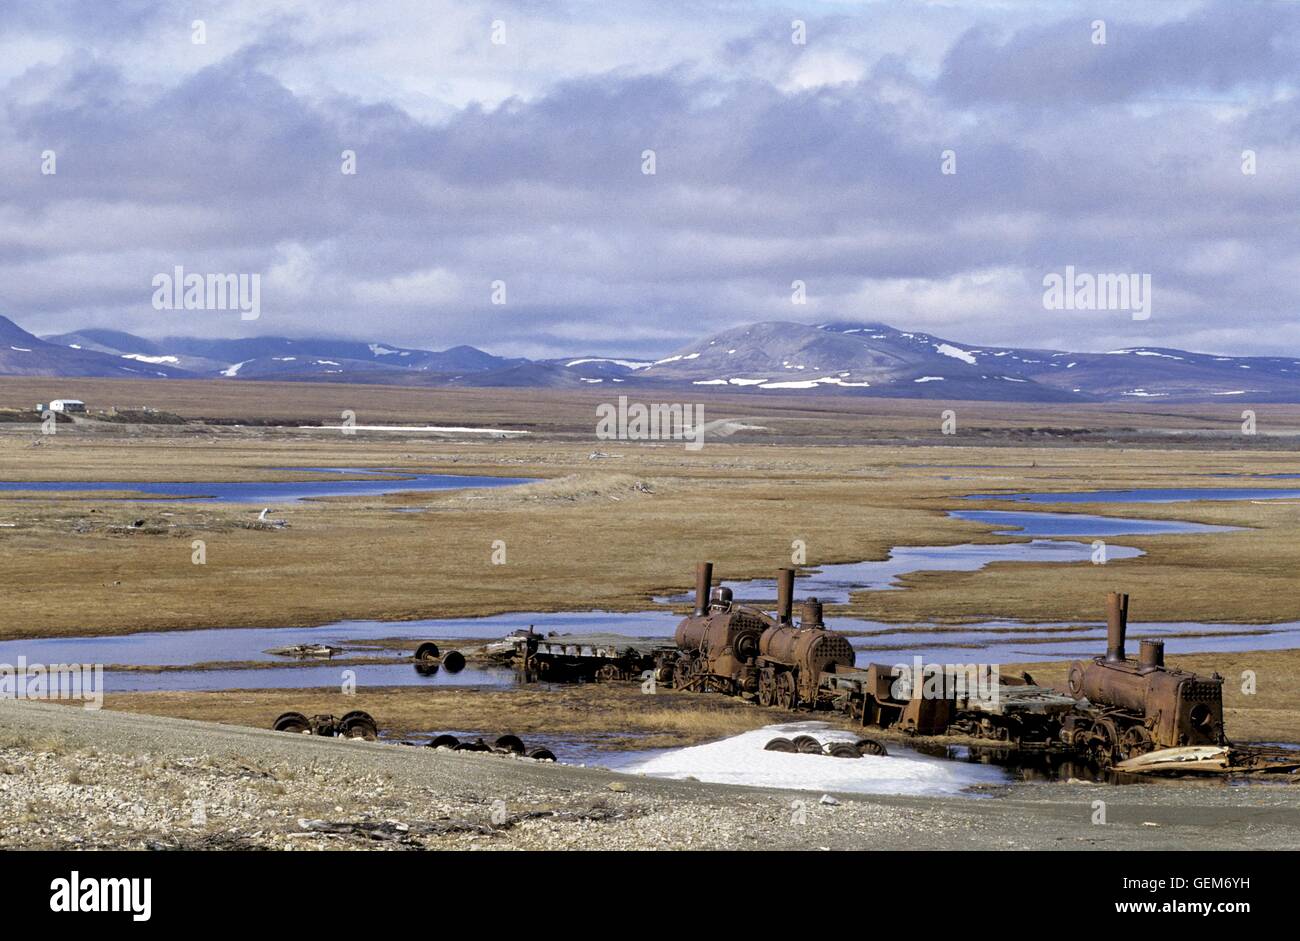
(703, 580)
(785, 596)
(1116, 626)
(1151, 655)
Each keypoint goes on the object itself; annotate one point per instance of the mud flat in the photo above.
(73, 778)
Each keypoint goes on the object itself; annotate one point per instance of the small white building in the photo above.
(67, 406)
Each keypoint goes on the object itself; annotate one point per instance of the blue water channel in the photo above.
(372, 483)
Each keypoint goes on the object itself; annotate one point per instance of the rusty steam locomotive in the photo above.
(1138, 706)
(1116, 708)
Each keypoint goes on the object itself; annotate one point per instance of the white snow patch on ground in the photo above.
(233, 370)
(947, 349)
(140, 357)
(741, 759)
(929, 379)
(629, 363)
(1237, 392)
(20, 349)
(805, 383)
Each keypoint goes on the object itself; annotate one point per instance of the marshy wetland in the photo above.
(917, 544)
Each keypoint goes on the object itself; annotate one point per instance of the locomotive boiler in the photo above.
(1140, 705)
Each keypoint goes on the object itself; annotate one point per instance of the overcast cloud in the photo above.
(522, 162)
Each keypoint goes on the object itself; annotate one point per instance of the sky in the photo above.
(501, 155)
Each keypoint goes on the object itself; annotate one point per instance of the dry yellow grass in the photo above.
(588, 538)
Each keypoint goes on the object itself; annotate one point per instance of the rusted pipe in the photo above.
(1116, 626)
(703, 579)
(784, 595)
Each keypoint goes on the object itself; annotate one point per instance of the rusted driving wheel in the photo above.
(786, 695)
(781, 745)
(292, 722)
(842, 750)
(766, 688)
(1105, 740)
(1135, 741)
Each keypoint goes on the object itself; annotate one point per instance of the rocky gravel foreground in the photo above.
(71, 778)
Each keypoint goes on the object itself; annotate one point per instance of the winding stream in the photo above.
(236, 658)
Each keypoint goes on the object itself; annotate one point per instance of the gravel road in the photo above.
(74, 778)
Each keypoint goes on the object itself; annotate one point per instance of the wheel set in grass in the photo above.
(807, 745)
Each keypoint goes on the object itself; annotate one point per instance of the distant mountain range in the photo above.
(843, 358)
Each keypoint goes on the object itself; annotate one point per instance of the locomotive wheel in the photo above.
(787, 697)
(843, 750)
(608, 673)
(444, 741)
(541, 754)
(781, 745)
(427, 651)
(292, 722)
(807, 745)
(358, 724)
(509, 743)
(766, 689)
(867, 746)
(1105, 740)
(682, 673)
(1135, 741)
(453, 661)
